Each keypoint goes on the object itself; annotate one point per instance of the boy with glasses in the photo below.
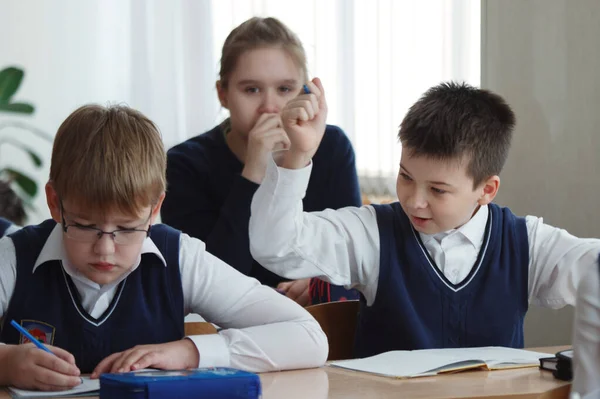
(108, 291)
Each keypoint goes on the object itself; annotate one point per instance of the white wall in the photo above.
(149, 54)
(544, 57)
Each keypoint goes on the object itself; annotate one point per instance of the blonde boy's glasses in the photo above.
(90, 234)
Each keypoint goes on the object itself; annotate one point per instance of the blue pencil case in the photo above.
(205, 383)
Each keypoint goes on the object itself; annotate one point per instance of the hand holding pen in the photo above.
(26, 366)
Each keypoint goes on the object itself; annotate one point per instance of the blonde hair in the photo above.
(108, 158)
(258, 33)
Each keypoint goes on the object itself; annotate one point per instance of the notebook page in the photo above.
(431, 361)
(402, 363)
(500, 357)
(88, 387)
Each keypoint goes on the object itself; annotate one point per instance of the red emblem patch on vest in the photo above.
(41, 331)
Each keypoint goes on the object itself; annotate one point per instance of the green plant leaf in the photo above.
(27, 184)
(22, 108)
(34, 157)
(10, 80)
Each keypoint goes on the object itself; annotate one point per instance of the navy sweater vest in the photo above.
(208, 198)
(416, 307)
(147, 307)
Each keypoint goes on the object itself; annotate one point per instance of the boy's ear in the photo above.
(222, 92)
(156, 208)
(489, 189)
(53, 202)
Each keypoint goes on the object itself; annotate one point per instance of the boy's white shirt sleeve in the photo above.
(262, 330)
(339, 246)
(586, 336)
(11, 229)
(8, 273)
(557, 262)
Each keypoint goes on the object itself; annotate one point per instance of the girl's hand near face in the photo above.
(266, 136)
(304, 119)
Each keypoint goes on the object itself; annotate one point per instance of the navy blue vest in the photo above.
(416, 307)
(147, 307)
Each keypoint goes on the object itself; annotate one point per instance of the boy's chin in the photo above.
(103, 278)
(425, 226)
(429, 229)
(425, 230)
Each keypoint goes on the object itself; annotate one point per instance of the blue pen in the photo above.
(306, 89)
(29, 336)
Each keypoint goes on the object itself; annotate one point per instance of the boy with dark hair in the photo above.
(108, 290)
(443, 267)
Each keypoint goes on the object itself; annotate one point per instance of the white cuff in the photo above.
(213, 350)
(294, 181)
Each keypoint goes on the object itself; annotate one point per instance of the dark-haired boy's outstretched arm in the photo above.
(341, 246)
(586, 339)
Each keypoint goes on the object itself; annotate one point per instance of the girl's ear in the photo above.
(222, 92)
(489, 190)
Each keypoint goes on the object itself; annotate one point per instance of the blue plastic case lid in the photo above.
(215, 382)
(147, 376)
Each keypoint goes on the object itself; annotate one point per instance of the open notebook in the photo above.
(425, 362)
(87, 387)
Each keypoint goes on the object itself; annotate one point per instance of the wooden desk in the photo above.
(334, 383)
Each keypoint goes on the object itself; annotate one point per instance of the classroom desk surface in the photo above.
(334, 383)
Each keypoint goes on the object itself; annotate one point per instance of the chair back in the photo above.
(338, 321)
(199, 328)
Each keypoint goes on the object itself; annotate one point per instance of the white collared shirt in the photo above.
(262, 329)
(342, 246)
(586, 337)
(453, 250)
